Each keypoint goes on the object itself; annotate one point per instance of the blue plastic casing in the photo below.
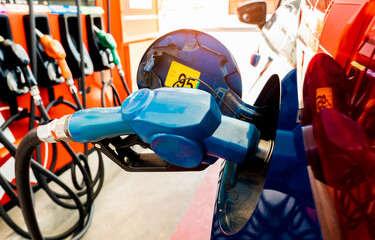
(94, 124)
(183, 126)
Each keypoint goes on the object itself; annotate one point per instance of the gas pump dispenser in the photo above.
(15, 57)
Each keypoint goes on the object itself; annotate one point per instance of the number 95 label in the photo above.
(178, 75)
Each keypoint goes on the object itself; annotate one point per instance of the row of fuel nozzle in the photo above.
(15, 56)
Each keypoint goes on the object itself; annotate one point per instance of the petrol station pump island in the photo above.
(298, 162)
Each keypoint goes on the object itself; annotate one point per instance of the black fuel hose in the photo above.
(14, 117)
(84, 170)
(32, 114)
(43, 113)
(77, 101)
(34, 67)
(8, 190)
(99, 177)
(125, 84)
(109, 16)
(32, 36)
(60, 100)
(80, 48)
(116, 96)
(87, 181)
(39, 172)
(22, 166)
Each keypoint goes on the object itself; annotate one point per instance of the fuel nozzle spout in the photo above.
(182, 126)
(264, 150)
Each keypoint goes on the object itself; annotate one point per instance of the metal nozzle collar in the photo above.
(57, 130)
(265, 149)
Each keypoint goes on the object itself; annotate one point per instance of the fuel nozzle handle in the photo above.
(16, 56)
(182, 126)
(14, 52)
(55, 50)
(107, 41)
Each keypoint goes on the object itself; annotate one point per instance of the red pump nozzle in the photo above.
(55, 50)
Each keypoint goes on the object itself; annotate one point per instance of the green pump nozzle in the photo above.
(107, 41)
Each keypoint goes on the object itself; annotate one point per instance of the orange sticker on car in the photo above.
(324, 98)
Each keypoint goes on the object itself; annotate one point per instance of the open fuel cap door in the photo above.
(178, 58)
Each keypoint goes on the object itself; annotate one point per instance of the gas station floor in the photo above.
(137, 206)
(145, 205)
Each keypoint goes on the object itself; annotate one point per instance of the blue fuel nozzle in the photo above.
(182, 126)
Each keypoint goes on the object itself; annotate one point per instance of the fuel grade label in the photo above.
(179, 74)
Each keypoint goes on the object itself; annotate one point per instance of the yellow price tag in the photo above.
(177, 74)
